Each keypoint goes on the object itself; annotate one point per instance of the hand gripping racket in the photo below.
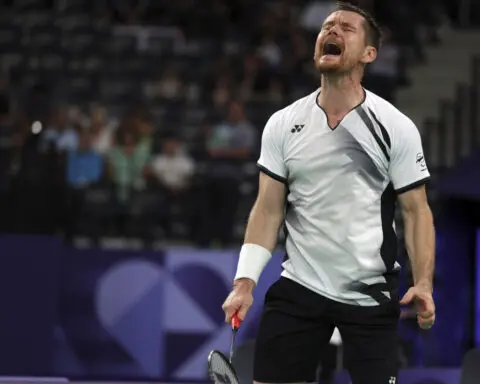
(220, 369)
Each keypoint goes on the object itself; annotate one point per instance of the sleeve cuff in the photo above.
(413, 185)
(273, 175)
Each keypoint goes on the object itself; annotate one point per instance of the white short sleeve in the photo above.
(408, 168)
(271, 160)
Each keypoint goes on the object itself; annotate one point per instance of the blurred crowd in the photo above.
(90, 174)
(109, 138)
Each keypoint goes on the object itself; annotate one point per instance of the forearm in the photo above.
(260, 241)
(420, 243)
(262, 228)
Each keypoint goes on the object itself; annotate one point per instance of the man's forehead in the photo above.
(345, 17)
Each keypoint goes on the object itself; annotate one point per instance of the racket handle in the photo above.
(235, 322)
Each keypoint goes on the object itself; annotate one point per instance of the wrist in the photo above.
(244, 284)
(252, 260)
(425, 284)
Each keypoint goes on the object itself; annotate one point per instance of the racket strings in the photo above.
(222, 370)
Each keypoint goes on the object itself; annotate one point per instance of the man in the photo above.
(84, 168)
(338, 158)
(61, 133)
(228, 145)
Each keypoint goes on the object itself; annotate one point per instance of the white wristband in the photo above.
(253, 259)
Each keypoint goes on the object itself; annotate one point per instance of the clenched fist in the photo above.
(239, 300)
(421, 296)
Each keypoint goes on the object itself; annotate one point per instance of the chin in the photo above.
(329, 68)
(329, 64)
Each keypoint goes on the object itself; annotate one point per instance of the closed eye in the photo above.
(348, 27)
(327, 25)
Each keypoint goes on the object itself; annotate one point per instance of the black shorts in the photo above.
(296, 328)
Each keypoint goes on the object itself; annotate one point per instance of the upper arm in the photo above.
(272, 161)
(408, 168)
(273, 171)
(271, 195)
(414, 200)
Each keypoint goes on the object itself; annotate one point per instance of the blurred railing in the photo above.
(455, 134)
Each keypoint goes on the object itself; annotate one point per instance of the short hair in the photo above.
(373, 32)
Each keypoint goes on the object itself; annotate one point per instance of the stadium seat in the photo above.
(471, 367)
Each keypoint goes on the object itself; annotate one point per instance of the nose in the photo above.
(333, 30)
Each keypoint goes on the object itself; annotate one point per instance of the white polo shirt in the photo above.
(342, 184)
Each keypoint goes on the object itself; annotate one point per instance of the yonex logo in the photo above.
(297, 128)
(392, 380)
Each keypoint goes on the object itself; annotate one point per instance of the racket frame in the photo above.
(235, 324)
(228, 363)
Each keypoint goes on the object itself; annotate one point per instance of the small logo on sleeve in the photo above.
(297, 128)
(420, 160)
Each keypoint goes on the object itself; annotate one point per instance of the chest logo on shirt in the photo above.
(297, 128)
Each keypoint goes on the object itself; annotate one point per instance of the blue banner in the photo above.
(158, 314)
(29, 286)
(97, 314)
(149, 315)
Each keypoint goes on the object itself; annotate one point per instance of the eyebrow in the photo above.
(348, 25)
(343, 24)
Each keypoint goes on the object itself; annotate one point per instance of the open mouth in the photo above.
(332, 49)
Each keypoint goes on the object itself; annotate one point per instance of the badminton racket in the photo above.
(220, 369)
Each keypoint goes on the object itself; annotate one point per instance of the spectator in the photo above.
(84, 165)
(61, 134)
(144, 129)
(169, 87)
(270, 51)
(84, 168)
(234, 138)
(173, 168)
(127, 163)
(221, 93)
(229, 144)
(258, 52)
(172, 172)
(102, 130)
(127, 160)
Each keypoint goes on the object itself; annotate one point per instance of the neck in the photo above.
(340, 94)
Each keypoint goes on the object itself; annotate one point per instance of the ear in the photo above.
(369, 55)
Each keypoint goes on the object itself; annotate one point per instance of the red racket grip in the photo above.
(235, 322)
